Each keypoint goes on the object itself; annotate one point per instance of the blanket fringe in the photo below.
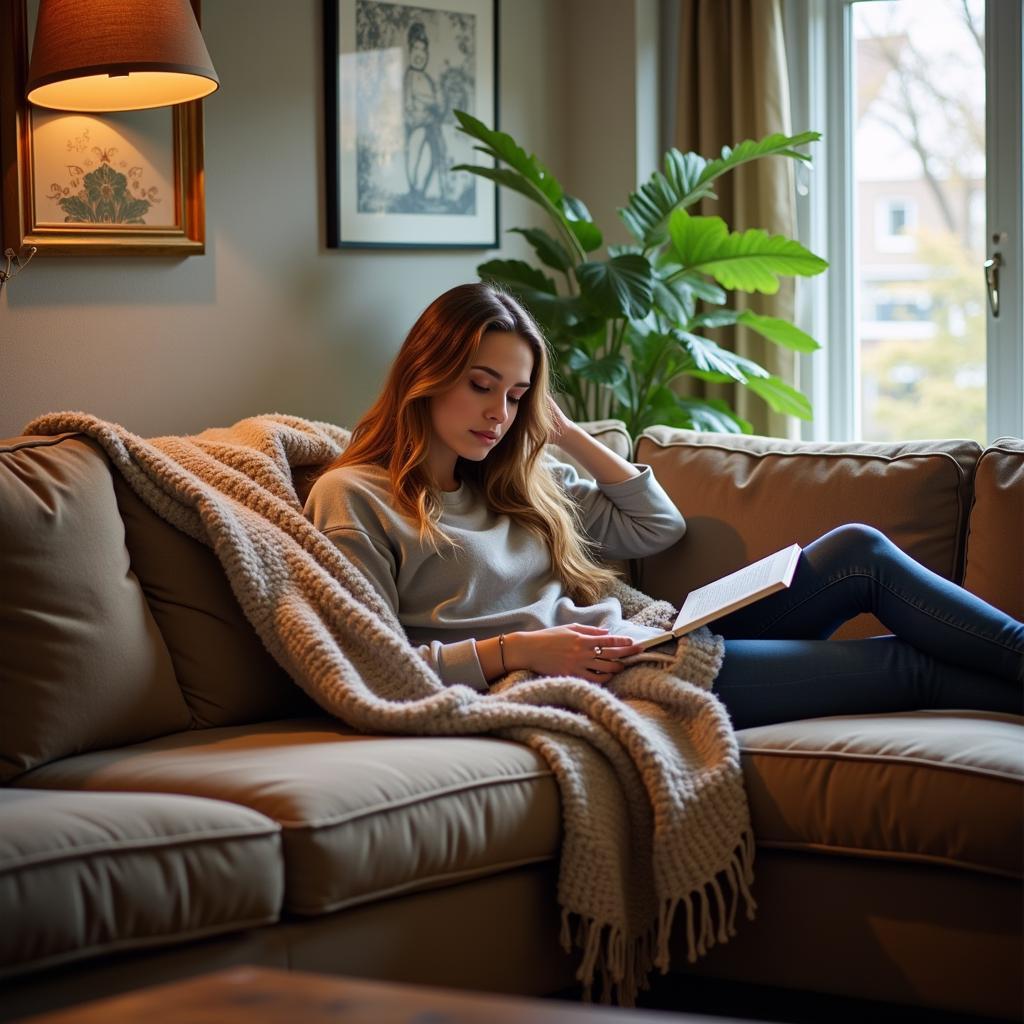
(624, 965)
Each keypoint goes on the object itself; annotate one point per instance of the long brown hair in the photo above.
(395, 433)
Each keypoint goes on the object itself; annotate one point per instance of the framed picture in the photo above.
(95, 184)
(394, 73)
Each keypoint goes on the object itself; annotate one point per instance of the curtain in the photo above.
(731, 84)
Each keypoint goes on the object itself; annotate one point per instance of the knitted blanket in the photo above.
(654, 811)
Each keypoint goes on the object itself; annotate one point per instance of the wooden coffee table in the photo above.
(259, 995)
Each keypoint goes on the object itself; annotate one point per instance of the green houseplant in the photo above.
(623, 328)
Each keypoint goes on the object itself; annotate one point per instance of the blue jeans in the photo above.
(950, 649)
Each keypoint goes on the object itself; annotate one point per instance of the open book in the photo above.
(710, 602)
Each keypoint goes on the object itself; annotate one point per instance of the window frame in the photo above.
(820, 48)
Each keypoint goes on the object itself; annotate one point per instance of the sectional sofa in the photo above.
(171, 803)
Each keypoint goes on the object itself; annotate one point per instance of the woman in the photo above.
(487, 548)
(425, 156)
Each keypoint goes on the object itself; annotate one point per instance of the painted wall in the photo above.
(612, 90)
(268, 319)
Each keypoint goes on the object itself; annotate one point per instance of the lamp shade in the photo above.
(94, 55)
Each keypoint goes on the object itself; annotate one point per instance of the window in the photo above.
(895, 223)
(917, 183)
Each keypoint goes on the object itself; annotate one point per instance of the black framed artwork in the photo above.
(394, 74)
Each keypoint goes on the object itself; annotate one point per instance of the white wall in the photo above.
(268, 319)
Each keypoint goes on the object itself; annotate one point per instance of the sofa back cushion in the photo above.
(995, 538)
(82, 663)
(225, 673)
(744, 497)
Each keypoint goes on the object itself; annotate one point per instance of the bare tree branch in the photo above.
(979, 37)
(970, 123)
(915, 137)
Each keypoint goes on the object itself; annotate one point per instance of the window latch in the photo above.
(992, 282)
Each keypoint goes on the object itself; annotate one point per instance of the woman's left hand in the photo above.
(560, 423)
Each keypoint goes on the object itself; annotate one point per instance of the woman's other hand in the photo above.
(589, 652)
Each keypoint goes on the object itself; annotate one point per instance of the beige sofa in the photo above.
(171, 803)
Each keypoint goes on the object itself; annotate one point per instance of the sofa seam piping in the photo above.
(130, 847)
(901, 856)
(411, 800)
(419, 884)
(842, 755)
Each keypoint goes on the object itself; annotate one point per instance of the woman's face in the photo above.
(418, 55)
(472, 417)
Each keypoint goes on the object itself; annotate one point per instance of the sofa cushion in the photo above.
(82, 663)
(225, 673)
(939, 787)
(362, 817)
(89, 873)
(744, 497)
(995, 539)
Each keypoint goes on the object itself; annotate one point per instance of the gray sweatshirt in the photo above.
(501, 580)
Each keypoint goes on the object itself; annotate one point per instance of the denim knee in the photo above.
(854, 540)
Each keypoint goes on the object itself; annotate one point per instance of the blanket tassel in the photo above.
(624, 964)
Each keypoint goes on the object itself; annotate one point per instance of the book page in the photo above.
(740, 587)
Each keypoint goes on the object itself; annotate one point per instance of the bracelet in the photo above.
(501, 651)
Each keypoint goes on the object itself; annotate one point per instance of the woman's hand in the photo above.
(560, 423)
(600, 462)
(570, 650)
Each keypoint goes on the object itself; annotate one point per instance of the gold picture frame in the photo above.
(100, 202)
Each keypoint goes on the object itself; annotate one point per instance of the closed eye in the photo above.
(480, 387)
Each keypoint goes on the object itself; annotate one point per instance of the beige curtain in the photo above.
(731, 85)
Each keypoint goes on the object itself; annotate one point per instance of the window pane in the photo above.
(920, 198)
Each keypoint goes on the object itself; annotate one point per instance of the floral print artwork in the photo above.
(103, 195)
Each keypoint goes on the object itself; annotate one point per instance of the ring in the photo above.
(598, 651)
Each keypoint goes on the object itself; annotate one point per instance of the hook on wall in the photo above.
(15, 264)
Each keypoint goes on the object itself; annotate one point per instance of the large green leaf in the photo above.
(674, 300)
(621, 286)
(646, 213)
(528, 176)
(662, 407)
(781, 332)
(537, 292)
(665, 407)
(581, 224)
(549, 250)
(503, 147)
(716, 318)
(699, 284)
(781, 397)
(749, 261)
(517, 273)
(713, 415)
(776, 330)
(709, 375)
(776, 144)
(588, 334)
(510, 179)
(647, 350)
(712, 358)
(608, 370)
(687, 179)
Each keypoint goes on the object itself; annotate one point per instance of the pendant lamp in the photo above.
(101, 55)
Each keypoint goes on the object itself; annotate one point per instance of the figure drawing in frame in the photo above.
(415, 66)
